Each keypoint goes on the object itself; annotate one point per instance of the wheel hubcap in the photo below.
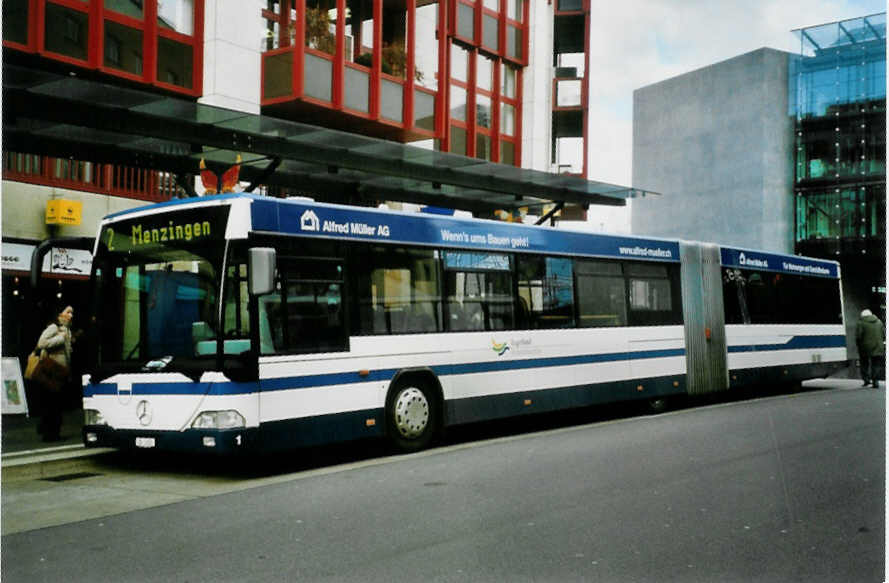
(411, 412)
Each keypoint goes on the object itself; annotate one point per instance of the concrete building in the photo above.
(718, 144)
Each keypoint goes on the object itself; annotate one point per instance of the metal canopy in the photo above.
(50, 114)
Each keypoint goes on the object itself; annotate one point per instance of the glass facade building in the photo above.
(838, 101)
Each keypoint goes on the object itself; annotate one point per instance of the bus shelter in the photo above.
(68, 116)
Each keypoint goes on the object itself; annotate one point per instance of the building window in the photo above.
(508, 89)
(569, 5)
(459, 63)
(490, 35)
(130, 8)
(458, 140)
(123, 47)
(426, 54)
(15, 21)
(483, 146)
(514, 9)
(484, 74)
(176, 15)
(507, 119)
(483, 111)
(465, 21)
(66, 31)
(174, 62)
(458, 103)
(488, 90)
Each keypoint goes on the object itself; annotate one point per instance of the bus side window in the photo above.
(398, 290)
(305, 314)
(546, 284)
(422, 318)
(478, 288)
(653, 294)
(601, 293)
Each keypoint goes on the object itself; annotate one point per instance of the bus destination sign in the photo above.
(168, 229)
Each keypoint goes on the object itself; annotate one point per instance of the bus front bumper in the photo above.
(223, 441)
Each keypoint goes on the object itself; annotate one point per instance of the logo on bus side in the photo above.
(310, 221)
(519, 346)
(749, 261)
(501, 348)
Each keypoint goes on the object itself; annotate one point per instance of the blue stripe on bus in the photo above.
(795, 343)
(225, 388)
(504, 365)
(332, 379)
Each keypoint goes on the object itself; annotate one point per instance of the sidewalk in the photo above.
(26, 456)
(19, 432)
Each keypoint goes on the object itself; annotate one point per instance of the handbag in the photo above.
(49, 373)
(33, 359)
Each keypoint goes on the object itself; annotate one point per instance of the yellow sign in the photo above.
(63, 212)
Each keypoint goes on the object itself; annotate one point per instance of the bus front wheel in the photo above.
(411, 415)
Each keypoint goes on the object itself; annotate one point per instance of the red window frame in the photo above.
(77, 6)
(340, 64)
(503, 23)
(31, 45)
(495, 94)
(97, 15)
(481, 12)
(129, 22)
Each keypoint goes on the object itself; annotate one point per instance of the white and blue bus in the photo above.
(240, 322)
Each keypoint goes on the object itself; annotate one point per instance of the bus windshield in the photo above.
(157, 290)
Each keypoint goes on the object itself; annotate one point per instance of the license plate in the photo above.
(144, 442)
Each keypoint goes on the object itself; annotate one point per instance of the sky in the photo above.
(640, 42)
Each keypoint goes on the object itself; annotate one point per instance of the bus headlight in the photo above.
(93, 417)
(219, 420)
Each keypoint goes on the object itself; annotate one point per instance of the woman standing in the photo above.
(57, 341)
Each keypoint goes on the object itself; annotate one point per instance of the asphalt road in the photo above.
(784, 488)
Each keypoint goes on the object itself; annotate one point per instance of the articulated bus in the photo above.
(241, 322)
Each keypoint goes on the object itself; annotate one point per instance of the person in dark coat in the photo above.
(870, 337)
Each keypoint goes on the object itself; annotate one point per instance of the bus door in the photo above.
(702, 306)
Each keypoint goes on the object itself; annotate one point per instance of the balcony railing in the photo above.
(108, 179)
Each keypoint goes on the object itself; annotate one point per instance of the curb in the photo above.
(37, 464)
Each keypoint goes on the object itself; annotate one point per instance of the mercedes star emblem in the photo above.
(143, 412)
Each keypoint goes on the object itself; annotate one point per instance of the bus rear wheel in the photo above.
(411, 416)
